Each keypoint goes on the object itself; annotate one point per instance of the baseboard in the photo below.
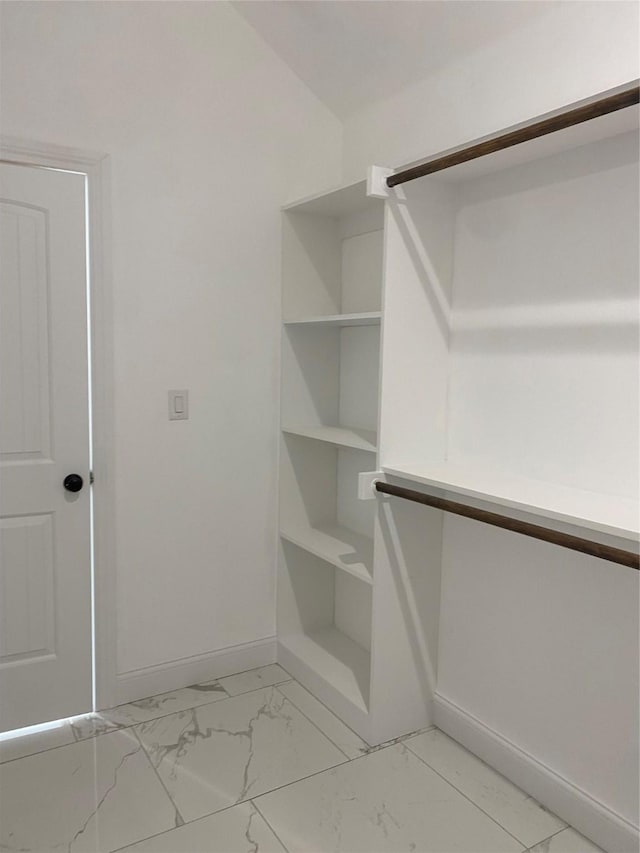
(590, 817)
(151, 680)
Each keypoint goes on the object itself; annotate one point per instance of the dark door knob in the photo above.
(73, 482)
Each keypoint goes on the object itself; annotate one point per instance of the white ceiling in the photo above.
(351, 53)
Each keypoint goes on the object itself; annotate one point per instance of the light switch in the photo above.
(178, 405)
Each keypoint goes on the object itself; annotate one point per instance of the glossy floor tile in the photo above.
(387, 801)
(240, 829)
(324, 719)
(29, 744)
(518, 813)
(264, 676)
(567, 841)
(220, 754)
(147, 709)
(86, 797)
(269, 769)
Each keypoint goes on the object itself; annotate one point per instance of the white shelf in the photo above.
(369, 318)
(337, 660)
(592, 511)
(343, 548)
(594, 130)
(357, 439)
(341, 201)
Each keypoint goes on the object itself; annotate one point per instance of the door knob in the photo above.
(73, 482)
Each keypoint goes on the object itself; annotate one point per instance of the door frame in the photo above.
(96, 168)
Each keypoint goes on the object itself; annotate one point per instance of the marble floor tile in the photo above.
(226, 752)
(147, 709)
(29, 744)
(92, 725)
(253, 679)
(567, 841)
(240, 829)
(88, 797)
(516, 811)
(387, 801)
(325, 720)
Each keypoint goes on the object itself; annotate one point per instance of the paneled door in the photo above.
(45, 541)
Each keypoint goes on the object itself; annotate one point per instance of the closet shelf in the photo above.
(357, 439)
(592, 511)
(343, 548)
(368, 318)
(338, 202)
(330, 655)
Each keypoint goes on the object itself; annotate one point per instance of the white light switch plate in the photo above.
(179, 405)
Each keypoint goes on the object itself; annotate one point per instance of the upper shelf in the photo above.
(614, 516)
(342, 201)
(357, 439)
(592, 130)
(367, 318)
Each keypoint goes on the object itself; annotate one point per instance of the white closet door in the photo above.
(45, 550)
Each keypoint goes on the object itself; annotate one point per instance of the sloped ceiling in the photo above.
(352, 53)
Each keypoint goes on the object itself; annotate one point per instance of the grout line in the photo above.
(269, 825)
(245, 671)
(370, 747)
(174, 828)
(320, 702)
(260, 687)
(549, 837)
(121, 726)
(239, 802)
(319, 772)
(155, 770)
(400, 739)
(39, 751)
(314, 724)
(473, 803)
(118, 727)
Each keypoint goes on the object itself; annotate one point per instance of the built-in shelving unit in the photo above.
(499, 306)
(332, 282)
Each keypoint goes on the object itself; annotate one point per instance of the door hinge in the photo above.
(91, 478)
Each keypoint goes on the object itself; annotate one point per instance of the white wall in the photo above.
(572, 51)
(537, 644)
(208, 133)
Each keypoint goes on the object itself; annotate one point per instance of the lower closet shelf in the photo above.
(330, 655)
(343, 548)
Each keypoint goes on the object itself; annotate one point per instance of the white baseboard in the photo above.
(590, 817)
(151, 680)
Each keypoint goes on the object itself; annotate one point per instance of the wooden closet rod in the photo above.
(610, 104)
(565, 540)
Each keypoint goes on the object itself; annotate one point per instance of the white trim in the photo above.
(589, 816)
(96, 167)
(151, 680)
